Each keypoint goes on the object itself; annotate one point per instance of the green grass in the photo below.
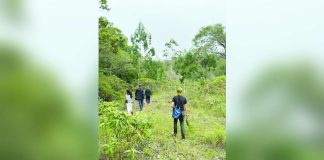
(205, 136)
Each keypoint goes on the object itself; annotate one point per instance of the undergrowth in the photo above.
(148, 134)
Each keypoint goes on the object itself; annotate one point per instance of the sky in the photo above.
(265, 34)
(166, 19)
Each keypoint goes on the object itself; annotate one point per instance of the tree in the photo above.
(111, 42)
(170, 49)
(114, 55)
(153, 69)
(211, 39)
(104, 5)
(194, 65)
(207, 59)
(141, 41)
(188, 66)
(111, 39)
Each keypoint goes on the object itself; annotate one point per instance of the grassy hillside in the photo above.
(205, 135)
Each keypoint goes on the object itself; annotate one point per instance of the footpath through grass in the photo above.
(149, 134)
(205, 135)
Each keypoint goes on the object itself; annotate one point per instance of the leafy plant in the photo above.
(121, 135)
(109, 91)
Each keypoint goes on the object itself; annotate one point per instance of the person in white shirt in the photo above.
(129, 102)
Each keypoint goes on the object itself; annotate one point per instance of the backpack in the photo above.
(176, 112)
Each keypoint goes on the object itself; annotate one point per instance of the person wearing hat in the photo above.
(179, 101)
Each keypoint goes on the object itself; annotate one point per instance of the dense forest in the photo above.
(124, 63)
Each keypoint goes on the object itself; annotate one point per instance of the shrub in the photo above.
(154, 85)
(208, 94)
(121, 135)
(216, 86)
(111, 88)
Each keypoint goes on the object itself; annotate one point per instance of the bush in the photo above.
(216, 86)
(208, 94)
(112, 88)
(153, 69)
(121, 135)
(154, 85)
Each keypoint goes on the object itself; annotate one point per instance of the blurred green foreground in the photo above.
(281, 116)
(37, 118)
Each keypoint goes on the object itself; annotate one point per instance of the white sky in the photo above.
(261, 34)
(166, 19)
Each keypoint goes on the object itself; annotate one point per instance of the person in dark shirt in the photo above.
(181, 102)
(148, 94)
(139, 96)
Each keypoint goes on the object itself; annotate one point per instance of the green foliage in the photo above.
(118, 59)
(111, 39)
(115, 65)
(220, 68)
(141, 41)
(187, 67)
(207, 59)
(154, 85)
(217, 138)
(208, 94)
(104, 5)
(205, 136)
(217, 86)
(109, 91)
(38, 117)
(196, 65)
(170, 49)
(113, 58)
(123, 66)
(121, 135)
(153, 69)
(211, 39)
(220, 135)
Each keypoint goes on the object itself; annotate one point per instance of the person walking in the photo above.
(179, 101)
(148, 94)
(129, 102)
(139, 96)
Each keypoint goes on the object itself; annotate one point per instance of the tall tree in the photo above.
(141, 41)
(114, 57)
(211, 39)
(170, 49)
(193, 65)
(111, 39)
